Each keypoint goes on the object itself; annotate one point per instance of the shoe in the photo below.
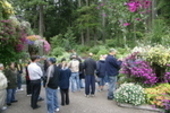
(14, 101)
(40, 99)
(62, 104)
(110, 98)
(29, 95)
(21, 89)
(87, 96)
(4, 108)
(8, 104)
(38, 106)
(92, 95)
(57, 110)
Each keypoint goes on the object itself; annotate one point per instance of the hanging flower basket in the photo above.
(36, 44)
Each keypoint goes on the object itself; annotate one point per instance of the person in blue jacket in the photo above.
(112, 67)
(101, 72)
(64, 77)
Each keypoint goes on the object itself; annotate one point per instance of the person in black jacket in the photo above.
(51, 85)
(64, 77)
(89, 67)
(101, 72)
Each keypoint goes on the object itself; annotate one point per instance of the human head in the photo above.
(1, 66)
(90, 54)
(63, 59)
(12, 65)
(112, 51)
(52, 60)
(34, 58)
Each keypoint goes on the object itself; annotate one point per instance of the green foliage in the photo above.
(130, 93)
(158, 30)
(58, 51)
(66, 41)
(82, 48)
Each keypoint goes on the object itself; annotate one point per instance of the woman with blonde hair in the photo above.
(64, 77)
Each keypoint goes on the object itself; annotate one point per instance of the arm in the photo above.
(115, 63)
(48, 75)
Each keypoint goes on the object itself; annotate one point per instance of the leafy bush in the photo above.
(130, 93)
(58, 51)
(82, 48)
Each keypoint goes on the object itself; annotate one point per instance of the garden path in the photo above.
(78, 104)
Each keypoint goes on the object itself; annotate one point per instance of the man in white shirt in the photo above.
(35, 74)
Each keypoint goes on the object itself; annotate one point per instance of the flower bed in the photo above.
(149, 67)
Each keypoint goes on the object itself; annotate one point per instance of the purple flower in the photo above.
(126, 24)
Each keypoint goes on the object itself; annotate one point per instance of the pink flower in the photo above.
(126, 24)
(138, 19)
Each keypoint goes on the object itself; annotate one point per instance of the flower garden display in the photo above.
(35, 43)
(130, 93)
(150, 67)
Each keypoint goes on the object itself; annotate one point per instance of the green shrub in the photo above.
(58, 51)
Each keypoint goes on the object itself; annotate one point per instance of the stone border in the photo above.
(141, 107)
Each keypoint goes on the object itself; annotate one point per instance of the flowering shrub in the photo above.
(6, 9)
(159, 96)
(139, 70)
(150, 64)
(130, 93)
(12, 40)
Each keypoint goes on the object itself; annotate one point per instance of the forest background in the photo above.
(96, 25)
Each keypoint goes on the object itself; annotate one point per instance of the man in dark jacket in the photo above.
(90, 67)
(112, 68)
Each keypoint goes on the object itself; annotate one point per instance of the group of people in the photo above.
(10, 82)
(68, 76)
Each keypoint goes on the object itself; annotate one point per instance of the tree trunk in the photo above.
(103, 24)
(82, 38)
(41, 23)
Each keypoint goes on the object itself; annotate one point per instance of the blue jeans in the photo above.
(112, 86)
(82, 83)
(101, 81)
(10, 95)
(52, 100)
(19, 80)
(74, 80)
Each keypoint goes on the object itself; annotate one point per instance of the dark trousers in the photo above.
(89, 82)
(36, 86)
(28, 84)
(64, 96)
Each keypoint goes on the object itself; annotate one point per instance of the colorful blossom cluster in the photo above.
(37, 41)
(135, 67)
(12, 35)
(136, 5)
(159, 96)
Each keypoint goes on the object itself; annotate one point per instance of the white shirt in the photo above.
(3, 81)
(34, 71)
